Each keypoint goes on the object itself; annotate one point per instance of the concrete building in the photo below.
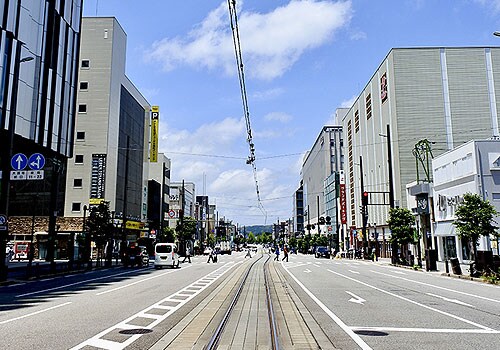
(473, 167)
(182, 197)
(38, 78)
(159, 193)
(415, 94)
(110, 160)
(324, 159)
(298, 211)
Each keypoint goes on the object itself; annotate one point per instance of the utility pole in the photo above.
(364, 208)
(125, 200)
(394, 255)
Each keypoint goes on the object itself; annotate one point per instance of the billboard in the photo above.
(155, 119)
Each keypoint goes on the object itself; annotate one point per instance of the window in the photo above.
(82, 108)
(85, 63)
(356, 121)
(79, 159)
(76, 206)
(77, 183)
(84, 85)
(368, 106)
(80, 135)
(383, 87)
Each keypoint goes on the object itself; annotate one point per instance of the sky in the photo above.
(303, 59)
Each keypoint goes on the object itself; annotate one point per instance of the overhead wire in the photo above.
(246, 111)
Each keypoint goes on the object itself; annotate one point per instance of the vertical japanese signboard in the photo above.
(343, 209)
(98, 179)
(155, 117)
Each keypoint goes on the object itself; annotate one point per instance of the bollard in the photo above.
(446, 267)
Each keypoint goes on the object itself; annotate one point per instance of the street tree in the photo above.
(185, 229)
(475, 218)
(251, 238)
(101, 229)
(167, 236)
(401, 222)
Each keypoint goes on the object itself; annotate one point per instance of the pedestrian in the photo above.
(285, 254)
(277, 252)
(212, 256)
(248, 253)
(188, 255)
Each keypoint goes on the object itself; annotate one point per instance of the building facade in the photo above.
(473, 167)
(324, 159)
(39, 44)
(159, 193)
(110, 160)
(415, 94)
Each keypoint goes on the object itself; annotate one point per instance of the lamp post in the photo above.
(394, 249)
(8, 150)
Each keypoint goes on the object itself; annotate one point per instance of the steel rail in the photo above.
(270, 312)
(214, 341)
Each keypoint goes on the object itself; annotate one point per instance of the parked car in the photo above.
(136, 255)
(166, 254)
(322, 252)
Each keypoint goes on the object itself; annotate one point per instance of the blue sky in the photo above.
(303, 59)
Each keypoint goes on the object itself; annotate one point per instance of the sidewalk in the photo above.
(441, 269)
(20, 270)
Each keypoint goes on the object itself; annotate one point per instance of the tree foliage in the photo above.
(167, 236)
(401, 221)
(187, 229)
(100, 227)
(251, 238)
(475, 218)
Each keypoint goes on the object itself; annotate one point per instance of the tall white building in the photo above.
(110, 160)
(446, 95)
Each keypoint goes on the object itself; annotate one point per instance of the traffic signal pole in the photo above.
(364, 207)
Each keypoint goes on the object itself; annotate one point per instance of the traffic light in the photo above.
(321, 220)
(364, 198)
(328, 220)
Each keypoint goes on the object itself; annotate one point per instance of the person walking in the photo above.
(285, 254)
(212, 256)
(277, 252)
(188, 255)
(248, 253)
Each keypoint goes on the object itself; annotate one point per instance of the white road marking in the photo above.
(71, 284)
(307, 271)
(97, 341)
(334, 317)
(35, 313)
(414, 302)
(316, 265)
(399, 272)
(450, 300)
(425, 330)
(355, 299)
(355, 272)
(438, 287)
(139, 281)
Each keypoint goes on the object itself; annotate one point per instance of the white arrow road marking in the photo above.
(450, 300)
(307, 271)
(356, 272)
(355, 299)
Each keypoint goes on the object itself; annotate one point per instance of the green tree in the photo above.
(401, 221)
(292, 242)
(101, 229)
(251, 238)
(167, 236)
(475, 218)
(186, 230)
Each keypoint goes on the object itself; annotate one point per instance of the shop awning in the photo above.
(444, 228)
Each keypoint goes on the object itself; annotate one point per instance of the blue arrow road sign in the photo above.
(19, 161)
(36, 161)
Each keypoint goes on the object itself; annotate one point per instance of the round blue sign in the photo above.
(36, 161)
(19, 161)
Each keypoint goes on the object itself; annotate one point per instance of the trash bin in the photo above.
(455, 266)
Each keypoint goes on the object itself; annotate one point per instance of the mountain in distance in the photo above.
(257, 229)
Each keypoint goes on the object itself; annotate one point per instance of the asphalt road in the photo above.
(386, 307)
(373, 305)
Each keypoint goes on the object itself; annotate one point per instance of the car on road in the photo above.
(136, 255)
(166, 254)
(322, 252)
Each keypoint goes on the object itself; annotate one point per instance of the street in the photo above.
(358, 304)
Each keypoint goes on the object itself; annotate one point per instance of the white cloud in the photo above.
(493, 4)
(348, 103)
(278, 116)
(267, 94)
(271, 42)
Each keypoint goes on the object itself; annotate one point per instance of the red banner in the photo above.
(343, 211)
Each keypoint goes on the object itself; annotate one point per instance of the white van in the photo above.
(166, 255)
